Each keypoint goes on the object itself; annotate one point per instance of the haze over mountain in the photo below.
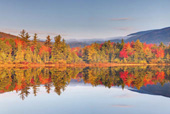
(150, 36)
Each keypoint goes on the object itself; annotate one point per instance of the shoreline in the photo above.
(32, 65)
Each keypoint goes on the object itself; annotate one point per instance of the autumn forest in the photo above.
(22, 50)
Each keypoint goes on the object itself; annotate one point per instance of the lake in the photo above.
(90, 90)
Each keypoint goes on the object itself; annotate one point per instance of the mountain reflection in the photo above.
(24, 80)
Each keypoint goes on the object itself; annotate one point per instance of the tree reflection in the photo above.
(25, 80)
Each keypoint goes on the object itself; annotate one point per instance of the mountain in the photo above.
(152, 36)
(78, 44)
(155, 36)
(140, 33)
(85, 42)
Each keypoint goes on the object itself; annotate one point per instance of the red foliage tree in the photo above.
(123, 54)
(19, 42)
(160, 53)
(7, 42)
(44, 49)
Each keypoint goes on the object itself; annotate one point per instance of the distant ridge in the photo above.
(155, 36)
(152, 36)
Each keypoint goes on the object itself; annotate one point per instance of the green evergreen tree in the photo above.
(162, 45)
(35, 39)
(27, 36)
(22, 34)
(59, 49)
(122, 43)
(48, 41)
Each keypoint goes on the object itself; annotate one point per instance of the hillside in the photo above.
(78, 44)
(152, 36)
(8, 36)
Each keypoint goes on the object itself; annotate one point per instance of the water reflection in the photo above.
(22, 80)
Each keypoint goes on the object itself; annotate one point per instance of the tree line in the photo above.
(23, 50)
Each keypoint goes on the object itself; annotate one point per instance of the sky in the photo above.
(83, 19)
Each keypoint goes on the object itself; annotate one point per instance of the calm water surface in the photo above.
(111, 90)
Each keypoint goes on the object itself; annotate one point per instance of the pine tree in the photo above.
(27, 36)
(122, 43)
(35, 39)
(22, 34)
(48, 41)
(85, 54)
(162, 45)
(64, 49)
(58, 49)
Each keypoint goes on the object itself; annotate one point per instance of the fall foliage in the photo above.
(24, 51)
